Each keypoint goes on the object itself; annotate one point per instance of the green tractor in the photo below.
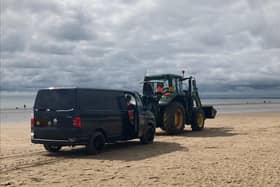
(175, 101)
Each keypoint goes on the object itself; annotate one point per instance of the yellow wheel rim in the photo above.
(178, 120)
(200, 120)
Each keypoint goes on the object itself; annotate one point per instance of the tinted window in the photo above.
(98, 100)
(185, 85)
(179, 85)
(151, 87)
(55, 99)
(122, 103)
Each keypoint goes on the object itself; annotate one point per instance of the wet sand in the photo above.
(233, 150)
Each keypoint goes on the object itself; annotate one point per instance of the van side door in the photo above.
(140, 114)
(130, 112)
(100, 110)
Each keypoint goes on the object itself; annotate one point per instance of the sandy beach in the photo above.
(233, 150)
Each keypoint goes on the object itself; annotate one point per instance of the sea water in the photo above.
(16, 108)
(16, 101)
(243, 105)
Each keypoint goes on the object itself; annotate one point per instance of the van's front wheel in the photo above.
(96, 143)
(52, 148)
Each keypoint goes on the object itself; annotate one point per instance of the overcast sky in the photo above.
(231, 47)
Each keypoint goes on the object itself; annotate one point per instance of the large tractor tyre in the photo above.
(96, 143)
(148, 135)
(174, 118)
(52, 148)
(198, 120)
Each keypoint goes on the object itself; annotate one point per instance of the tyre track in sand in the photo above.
(20, 155)
(29, 160)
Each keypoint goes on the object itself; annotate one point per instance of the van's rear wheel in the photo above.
(174, 118)
(148, 135)
(52, 148)
(198, 120)
(96, 143)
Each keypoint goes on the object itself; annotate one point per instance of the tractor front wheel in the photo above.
(198, 120)
(174, 118)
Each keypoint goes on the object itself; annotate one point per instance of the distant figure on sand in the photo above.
(24, 106)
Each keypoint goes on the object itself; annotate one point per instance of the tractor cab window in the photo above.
(185, 85)
(172, 87)
(165, 84)
(179, 86)
(176, 85)
(155, 86)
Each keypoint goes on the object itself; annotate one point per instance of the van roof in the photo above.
(77, 88)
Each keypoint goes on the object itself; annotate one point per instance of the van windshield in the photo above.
(55, 100)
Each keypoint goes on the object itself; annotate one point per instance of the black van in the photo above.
(91, 117)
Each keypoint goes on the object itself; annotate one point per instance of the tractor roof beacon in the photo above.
(179, 104)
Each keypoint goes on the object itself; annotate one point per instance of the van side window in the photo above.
(122, 103)
(97, 100)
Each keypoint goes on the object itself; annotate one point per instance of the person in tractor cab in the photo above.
(130, 110)
(159, 89)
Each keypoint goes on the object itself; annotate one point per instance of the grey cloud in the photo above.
(71, 30)
(231, 47)
(51, 47)
(12, 42)
(30, 5)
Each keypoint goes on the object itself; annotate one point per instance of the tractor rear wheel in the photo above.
(174, 118)
(198, 119)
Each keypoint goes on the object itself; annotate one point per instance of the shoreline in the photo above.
(211, 101)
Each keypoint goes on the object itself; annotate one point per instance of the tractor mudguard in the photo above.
(209, 111)
(164, 101)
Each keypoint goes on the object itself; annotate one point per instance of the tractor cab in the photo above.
(165, 87)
